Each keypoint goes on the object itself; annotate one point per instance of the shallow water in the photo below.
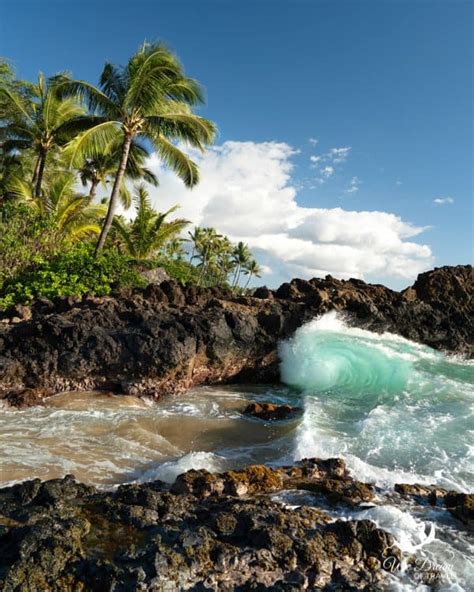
(395, 410)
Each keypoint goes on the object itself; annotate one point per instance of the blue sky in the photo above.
(391, 80)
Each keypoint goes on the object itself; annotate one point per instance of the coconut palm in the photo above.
(207, 251)
(150, 99)
(242, 256)
(149, 231)
(40, 121)
(99, 170)
(252, 269)
(74, 216)
(175, 249)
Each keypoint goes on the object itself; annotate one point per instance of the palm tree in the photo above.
(40, 121)
(175, 250)
(242, 257)
(151, 99)
(196, 237)
(149, 231)
(74, 216)
(252, 269)
(207, 251)
(97, 171)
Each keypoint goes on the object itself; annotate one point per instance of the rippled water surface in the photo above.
(395, 410)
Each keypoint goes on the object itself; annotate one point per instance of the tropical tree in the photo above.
(175, 249)
(207, 251)
(40, 121)
(150, 99)
(150, 230)
(241, 256)
(72, 215)
(252, 269)
(99, 170)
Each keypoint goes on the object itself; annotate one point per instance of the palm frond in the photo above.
(96, 101)
(177, 161)
(93, 142)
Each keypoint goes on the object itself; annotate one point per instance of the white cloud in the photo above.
(324, 163)
(313, 141)
(246, 191)
(338, 155)
(354, 185)
(441, 201)
(327, 171)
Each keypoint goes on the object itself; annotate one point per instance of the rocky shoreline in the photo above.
(258, 528)
(220, 532)
(167, 338)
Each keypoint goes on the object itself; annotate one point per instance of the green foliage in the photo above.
(221, 262)
(57, 132)
(72, 272)
(26, 240)
(150, 230)
(182, 271)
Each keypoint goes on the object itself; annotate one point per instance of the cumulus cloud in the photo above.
(246, 191)
(313, 141)
(442, 201)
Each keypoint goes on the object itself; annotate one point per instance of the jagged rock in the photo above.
(155, 276)
(461, 505)
(270, 411)
(63, 536)
(167, 338)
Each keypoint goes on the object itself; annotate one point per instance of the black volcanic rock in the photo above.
(166, 338)
(63, 536)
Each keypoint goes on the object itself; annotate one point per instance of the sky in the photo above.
(345, 127)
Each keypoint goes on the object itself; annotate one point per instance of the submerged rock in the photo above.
(270, 411)
(208, 532)
(167, 338)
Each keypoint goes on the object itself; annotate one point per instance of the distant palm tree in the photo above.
(39, 121)
(242, 256)
(149, 231)
(150, 98)
(175, 249)
(252, 269)
(207, 252)
(74, 216)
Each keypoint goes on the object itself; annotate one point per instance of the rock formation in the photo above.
(167, 338)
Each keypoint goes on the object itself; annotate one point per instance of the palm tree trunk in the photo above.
(236, 276)
(248, 281)
(93, 189)
(204, 264)
(115, 193)
(35, 172)
(39, 177)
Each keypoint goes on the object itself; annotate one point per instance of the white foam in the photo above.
(168, 471)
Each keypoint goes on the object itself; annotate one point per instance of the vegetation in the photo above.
(57, 134)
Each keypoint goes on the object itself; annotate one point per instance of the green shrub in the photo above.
(73, 272)
(26, 240)
(182, 271)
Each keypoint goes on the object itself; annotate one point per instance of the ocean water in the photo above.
(396, 411)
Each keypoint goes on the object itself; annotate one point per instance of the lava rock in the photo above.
(167, 338)
(270, 411)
